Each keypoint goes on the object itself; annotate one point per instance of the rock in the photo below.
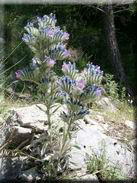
(11, 170)
(133, 144)
(106, 104)
(10, 167)
(83, 175)
(23, 122)
(89, 139)
(29, 117)
(130, 124)
(30, 175)
(88, 120)
(99, 118)
(88, 177)
(21, 135)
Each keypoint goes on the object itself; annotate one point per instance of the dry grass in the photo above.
(115, 121)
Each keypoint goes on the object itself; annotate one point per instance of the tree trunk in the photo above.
(112, 46)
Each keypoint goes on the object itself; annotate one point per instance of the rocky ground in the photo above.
(95, 134)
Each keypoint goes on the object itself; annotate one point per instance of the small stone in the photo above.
(99, 118)
(130, 124)
(106, 104)
(30, 175)
(82, 175)
(133, 143)
(89, 177)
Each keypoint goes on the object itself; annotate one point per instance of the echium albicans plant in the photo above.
(48, 44)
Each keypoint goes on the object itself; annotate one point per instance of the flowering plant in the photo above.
(78, 92)
(47, 42)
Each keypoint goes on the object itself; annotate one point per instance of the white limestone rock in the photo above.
(89, 139)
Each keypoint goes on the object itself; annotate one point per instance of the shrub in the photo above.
(113, 89)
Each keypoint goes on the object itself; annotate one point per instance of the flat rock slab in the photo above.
(29, 117)
(90, 139)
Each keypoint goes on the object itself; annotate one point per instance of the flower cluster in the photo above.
(93, 89)
(93, 74)
(45, 38)
(18, 74)
(66, 84)
(48, 28)
(90, 93)
(76, 110)
(76, 115)
(80, 84)
(47, 42)
(69, 70)
(59, 52)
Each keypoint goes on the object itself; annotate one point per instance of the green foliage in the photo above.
(98, 164)
(111, 86)
(1, 76)
(113, 89)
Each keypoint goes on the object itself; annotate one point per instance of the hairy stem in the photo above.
(66, 134)
(49, 124)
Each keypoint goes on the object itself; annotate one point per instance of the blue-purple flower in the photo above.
(51, 63)
(98, 92)
(65, 67)
(18, 74)
(66, 53)
(80, 84)
(67, 81)
(93, 74)
(27, 38)
(65, 36)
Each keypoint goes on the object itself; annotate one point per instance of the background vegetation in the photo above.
(85, 25)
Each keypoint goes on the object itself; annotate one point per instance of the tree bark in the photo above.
(112, 46)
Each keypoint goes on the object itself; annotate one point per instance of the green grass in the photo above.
(98, 165)
(116, 121)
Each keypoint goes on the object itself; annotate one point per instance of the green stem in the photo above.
(49, 124)
(65, 134)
